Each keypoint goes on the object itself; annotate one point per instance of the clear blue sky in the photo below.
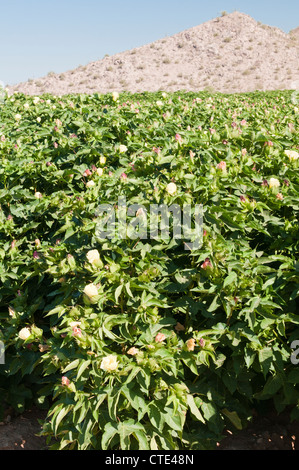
(40, 36)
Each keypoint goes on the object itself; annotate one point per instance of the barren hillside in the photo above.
(233, 53)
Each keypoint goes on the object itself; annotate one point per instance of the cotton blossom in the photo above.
(123, 148)
(24, 333)
(206, 264)
(102, 160)
(160, 337)
(91, 293)
(279, 196)
(109, 363)
(93, 256)
(178, 138)
(65, 381)
(18, 117)
(179, 327)
(273, 183)
(77, 331)
(38, 195)
(133, 351)
(292, 154)
(171, 188)
(90, 184)
(190, 344)
(221, 166)
(115, 96)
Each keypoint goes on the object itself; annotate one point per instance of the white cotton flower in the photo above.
(109, 363)
(93, 256)
(24, 333)
(274, 183)
(123, 148)
(171, 188)
(292, 154)
(91, 293)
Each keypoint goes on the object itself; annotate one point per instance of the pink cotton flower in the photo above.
(65, 381)
(160, 337)
(123, 176)
(87, 172)
(221, 166)
(206, 264)
(178, 138)
(77, 331)
(2, 138)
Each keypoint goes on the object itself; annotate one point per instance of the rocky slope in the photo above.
(232, 53)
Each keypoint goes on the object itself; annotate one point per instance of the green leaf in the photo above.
(193, 408)
(110, 430)
(266, 357)
(233, 417)
(118, 292)
(73, 365)
(83, 366)
(230, 279)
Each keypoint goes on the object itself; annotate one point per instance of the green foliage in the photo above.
(169, 348)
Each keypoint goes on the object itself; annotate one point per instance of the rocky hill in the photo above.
(232, 53)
